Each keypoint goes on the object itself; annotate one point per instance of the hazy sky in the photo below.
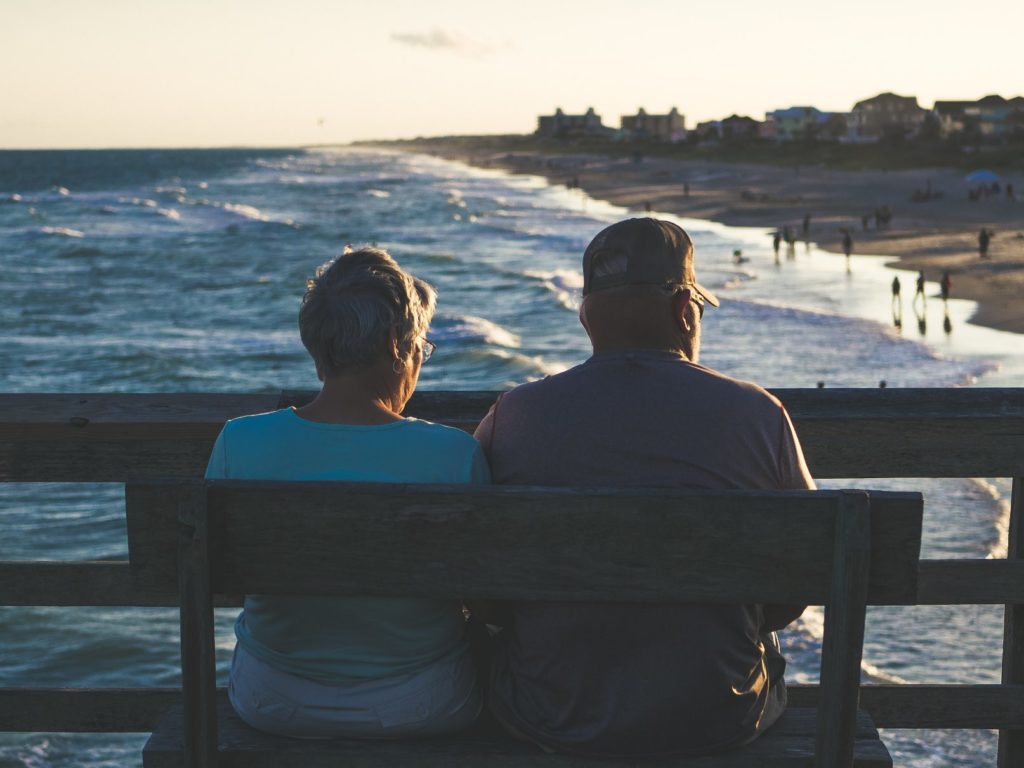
(120, 73)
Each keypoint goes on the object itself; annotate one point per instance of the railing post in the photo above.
(198, 667)
(1011, 742)
(843, 643)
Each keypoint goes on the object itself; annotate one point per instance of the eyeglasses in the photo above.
(427, 348)
(697, 299)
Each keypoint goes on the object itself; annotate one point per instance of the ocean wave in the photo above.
(170, 213)
(565, 284)
(464, 328)
(62, 231)
(378, 193)
(812, 624)
(144, 202)
(488, 364)
(1002, 522)
(14, 197)
(81, 252)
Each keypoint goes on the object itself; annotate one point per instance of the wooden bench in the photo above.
(841, 549)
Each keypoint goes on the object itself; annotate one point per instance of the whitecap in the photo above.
(64, 231)
(378, 193)
(170, 213)
(565, 284)
(62, 191)
(476, 328)
(246, 211)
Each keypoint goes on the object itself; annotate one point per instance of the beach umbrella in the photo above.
(981, 177)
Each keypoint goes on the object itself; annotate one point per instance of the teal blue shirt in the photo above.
(337, 640)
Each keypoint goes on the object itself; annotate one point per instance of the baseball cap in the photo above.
(641, 252)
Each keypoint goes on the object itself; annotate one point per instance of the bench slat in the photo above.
(521, 543)
(789, 742)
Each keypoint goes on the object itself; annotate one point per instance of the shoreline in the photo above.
(919, 236)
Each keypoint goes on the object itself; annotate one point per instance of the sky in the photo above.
(186, 73)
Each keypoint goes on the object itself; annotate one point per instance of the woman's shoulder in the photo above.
(439, 434)
(256, 423)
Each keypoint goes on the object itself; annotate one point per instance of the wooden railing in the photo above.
(845, 433)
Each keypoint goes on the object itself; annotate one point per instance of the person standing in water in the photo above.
(897, 303)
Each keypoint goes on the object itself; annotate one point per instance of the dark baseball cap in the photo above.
(641, 252)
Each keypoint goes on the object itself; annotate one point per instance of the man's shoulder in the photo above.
(683, 374)
(740, 389)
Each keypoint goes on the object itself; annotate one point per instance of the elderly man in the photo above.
(618, 680)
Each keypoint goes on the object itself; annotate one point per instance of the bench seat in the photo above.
(790, 742)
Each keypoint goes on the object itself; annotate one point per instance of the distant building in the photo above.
(563, 126)
(997, 117)
(738, 127)
(991, 117)
(803, 123)
(709, 130)
(884, 115)
(669, 127)
(790, 124)
(729, 128)
(952, 116)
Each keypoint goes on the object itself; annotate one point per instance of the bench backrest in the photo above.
(841, 549)
(529, 543)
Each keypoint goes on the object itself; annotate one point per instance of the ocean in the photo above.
(182, 270)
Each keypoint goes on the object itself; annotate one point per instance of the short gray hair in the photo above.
(353, 302)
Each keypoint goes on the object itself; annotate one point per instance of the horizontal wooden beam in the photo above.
(108, 583)
(932, 706)
(970, 582)
(81, 583)
(137, 710)
(85, 710)
(854, 433)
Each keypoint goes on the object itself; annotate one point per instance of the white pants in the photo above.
(443, 698)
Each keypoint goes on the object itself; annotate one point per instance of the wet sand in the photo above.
(934, 236)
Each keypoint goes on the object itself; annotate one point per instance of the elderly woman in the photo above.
(355, 666)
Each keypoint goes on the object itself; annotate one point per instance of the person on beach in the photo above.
(945, 285)
(984, 237)
(612, 680)
(919, 293)
(354, 666)
(847, 247)
(897, 303)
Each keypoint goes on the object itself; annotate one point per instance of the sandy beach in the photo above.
(937, 235)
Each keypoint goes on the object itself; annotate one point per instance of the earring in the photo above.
(397, 365)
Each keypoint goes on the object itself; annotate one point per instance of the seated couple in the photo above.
(604, 680)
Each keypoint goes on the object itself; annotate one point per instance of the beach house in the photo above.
(884, 115)
(730, 128)
(564, 126)
(991, 117)
(795, 123)
(651, 127)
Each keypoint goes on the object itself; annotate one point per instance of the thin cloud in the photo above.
(441, 40)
